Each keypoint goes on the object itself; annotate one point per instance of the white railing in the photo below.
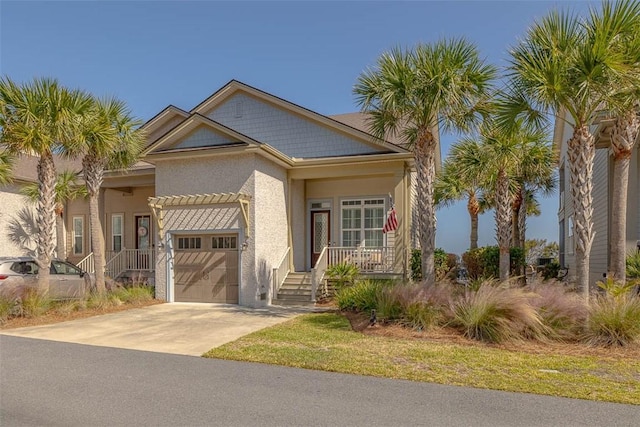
(87, 264)
(280, 273)
(368, 260)
(131, 260)
(317, 273)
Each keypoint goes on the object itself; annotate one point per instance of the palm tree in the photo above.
(558, 68)
(40, 118)
(535, 173)
(6, 165)
(627, 122)
(451, 185)
(67, 188)
(412, 94)
(112, 139)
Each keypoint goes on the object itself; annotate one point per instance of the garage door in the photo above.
(206, 268)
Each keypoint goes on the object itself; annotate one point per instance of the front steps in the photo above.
(296, 290)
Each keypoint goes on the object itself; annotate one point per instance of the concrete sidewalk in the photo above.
(177, 328)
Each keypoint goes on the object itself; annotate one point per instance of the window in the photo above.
(116, 232)
(78, 235)
(362, 222)
(60, 267)
(224, 242)
(189, 243)
(570, 239)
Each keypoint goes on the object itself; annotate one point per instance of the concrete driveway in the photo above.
(177, 328)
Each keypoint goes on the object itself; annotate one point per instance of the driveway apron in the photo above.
(176, 328)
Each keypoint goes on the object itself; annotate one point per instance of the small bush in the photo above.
(633, 266)
(613, 321)
(561, 311)
(33, 303)
(422, 316)
(496, 314)
(7, 307)
(616, 288)
(362, 296)
(101, 300)
(485, 261)
(388, 304)
(133, 294)
(342, 274)
(445, 264)
(550, 271)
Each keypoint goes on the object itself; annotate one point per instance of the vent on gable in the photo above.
(238, 109)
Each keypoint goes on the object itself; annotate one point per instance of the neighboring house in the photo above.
(247, 190)
(602, 187)
(17, 213)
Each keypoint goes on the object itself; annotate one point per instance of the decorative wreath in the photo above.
(142, 231)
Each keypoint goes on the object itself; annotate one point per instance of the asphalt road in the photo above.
(48, 383)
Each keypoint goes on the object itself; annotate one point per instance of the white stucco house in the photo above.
(247, 198)
(602, 190)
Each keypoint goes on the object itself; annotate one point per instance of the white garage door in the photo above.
(206, 268)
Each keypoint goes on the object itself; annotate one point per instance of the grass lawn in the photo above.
(327, 342)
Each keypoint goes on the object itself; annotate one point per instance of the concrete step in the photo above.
(292, 302)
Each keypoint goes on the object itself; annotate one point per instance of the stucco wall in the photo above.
(291, 134)
(249, 174)
(12, 203)
(270, 238)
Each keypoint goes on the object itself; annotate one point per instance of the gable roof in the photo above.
(234, 86)
(193, 122)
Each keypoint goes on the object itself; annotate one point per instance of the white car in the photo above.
(66, 280)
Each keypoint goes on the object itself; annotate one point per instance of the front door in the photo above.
(143, 240)
(320, 233)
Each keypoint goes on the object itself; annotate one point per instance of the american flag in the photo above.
(392, 221)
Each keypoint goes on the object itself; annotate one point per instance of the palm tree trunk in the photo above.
(61, 251)
(625, 133)
(503, 222)
(46, 218)
(424, 154)
(93, 172)
(522, 221)
(473, 207)
(581, 154)
(515, 225)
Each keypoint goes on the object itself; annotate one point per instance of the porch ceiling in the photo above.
(159, 205)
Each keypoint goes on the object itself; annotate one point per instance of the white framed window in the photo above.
(117, 225)
(189, 243)
(362, 221)
(224, 242)
(570, 238)
(78, 235)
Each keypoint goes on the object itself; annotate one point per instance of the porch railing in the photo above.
(280, 272)
(130, 260)
(317, 273)
(368, 260)
(87, 264)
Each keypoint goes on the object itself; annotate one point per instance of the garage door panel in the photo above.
(203, 274)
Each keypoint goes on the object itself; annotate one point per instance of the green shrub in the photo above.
(388, 305)
(342, 274)
(422, 316)
(616, 288)
(613, 321)
(134, 294)
(362, 296)
(485, 261)
(445, 264)
(633, 267)
(101, 300)
(495, 314)
(551, 270)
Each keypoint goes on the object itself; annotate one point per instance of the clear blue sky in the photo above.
(151, 54)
